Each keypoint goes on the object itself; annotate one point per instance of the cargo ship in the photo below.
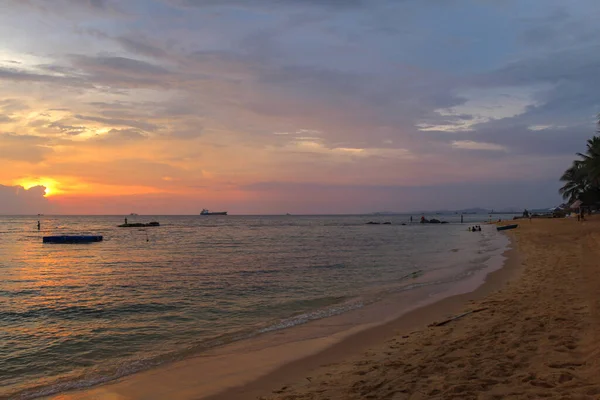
(206, 212)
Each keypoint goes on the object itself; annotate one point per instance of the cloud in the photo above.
(117, 72)
(141, 48)
(18, 200)
(27, 148)
(539, 127)
(12, 105)
(471, 145)
(335, 4)
(117, 65)
(62, 7)
(145, 126)
(286, 90)
(72, 130)
(482, 106)
(19, 75)
(120, 136)
(317, 146)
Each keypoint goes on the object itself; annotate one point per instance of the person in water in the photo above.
(125, 221)
(39, 225)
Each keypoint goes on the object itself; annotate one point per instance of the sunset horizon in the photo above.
(299, 199)
(171, 106)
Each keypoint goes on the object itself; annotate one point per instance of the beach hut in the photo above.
(577, 207)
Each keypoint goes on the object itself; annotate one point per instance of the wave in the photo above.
(328, 266)
(127, 368)
(314, 315)
(22, 292)
(72, 312)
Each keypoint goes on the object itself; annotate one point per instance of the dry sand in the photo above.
(538, 338)
(535, 339)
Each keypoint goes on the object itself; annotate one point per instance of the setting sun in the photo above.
(51, 185)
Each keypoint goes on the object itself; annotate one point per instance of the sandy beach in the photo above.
(534, 336)
(537, 337)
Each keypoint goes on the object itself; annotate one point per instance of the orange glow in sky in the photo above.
(51, 185)
(275, 116)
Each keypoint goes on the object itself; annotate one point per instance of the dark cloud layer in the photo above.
(17, 200)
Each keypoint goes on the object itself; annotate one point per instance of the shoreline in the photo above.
(537, 336)
(406, 324)
(279, 356)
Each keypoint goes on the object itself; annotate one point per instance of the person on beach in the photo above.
(39, 225)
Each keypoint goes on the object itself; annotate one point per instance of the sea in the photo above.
(77, 315)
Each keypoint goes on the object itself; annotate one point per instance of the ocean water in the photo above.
(75, 315)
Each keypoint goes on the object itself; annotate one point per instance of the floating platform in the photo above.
(139, 225)
(72, 239)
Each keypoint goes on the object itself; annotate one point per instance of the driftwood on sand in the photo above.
(458, 316)
(412, 274)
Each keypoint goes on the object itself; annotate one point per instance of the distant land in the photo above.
(476, 210)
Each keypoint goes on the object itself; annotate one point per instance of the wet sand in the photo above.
(538, 336)
(256, 367)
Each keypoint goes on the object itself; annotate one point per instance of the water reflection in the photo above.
(143, 295)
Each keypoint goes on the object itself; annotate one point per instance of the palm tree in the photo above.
(576, 182)
(591, 160)
(582, 178)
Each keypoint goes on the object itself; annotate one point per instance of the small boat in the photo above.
(206, 212)
(506, 227)
(72, 239)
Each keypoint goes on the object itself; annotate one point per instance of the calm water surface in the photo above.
(76, 315)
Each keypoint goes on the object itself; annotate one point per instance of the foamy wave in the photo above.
(314, 315)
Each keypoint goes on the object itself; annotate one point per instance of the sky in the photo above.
(299, 106)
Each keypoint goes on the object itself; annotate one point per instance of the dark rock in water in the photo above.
(432, 221)
(387, 223)
(403, 223)
(373, 223)
(139, 225)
